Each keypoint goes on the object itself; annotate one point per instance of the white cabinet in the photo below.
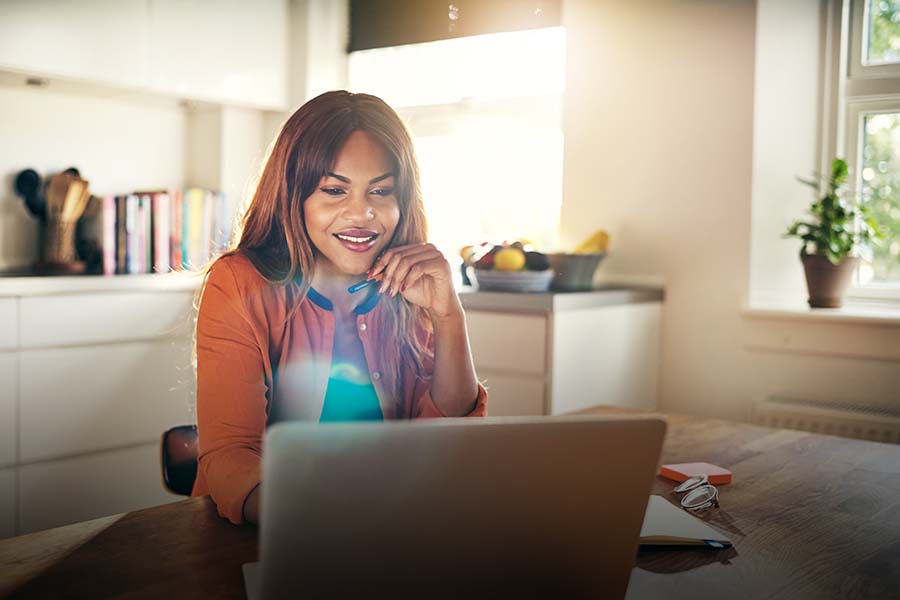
(607, 356)
(228, 51)
(563, 360)
(7, 503)
(66, 491)
(9, 323)
(8, 386)
(96, 40)
(92, 381)
(101, 397)
(97, 318)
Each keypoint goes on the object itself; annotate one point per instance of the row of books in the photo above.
(157, 232)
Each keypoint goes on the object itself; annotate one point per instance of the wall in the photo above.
(119, 145)
(685, 125)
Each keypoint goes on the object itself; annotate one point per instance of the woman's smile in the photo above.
(357, 240)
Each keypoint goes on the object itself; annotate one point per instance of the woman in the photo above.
(279, 333)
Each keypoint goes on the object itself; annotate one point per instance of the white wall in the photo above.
(785, 130)
(685, 125)
(118, 145)
(659, 125)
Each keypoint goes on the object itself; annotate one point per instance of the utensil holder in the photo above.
(58, 253)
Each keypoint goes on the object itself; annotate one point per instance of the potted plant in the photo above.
(831, 238)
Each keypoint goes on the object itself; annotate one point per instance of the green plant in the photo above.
(837, 227)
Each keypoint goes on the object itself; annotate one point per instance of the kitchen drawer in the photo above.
(8, 378)
(9, 323)
(66, 491)
(108, 317)
(7, 503)
(504, 342)
(512, 395)
(83, 399)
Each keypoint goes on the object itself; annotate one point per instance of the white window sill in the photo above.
(859, 313)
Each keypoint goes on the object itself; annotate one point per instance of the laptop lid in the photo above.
(524, 506)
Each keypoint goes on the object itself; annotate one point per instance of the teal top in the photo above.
(350, 401)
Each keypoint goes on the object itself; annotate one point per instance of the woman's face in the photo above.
(352, 215)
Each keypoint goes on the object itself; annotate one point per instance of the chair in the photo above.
(179, 459)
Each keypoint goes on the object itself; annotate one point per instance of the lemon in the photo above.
(509, 259)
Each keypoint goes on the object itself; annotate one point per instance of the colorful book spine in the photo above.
(161, 220)
(194, 224)
(108, 232)
(175, 232)
(132, 238)
(121, 235)
(146, 263)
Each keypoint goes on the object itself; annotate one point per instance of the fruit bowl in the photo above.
(513, 281)
(575, 272)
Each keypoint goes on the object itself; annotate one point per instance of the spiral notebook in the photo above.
(667, 525)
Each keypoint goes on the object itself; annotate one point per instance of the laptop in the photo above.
(526, 507)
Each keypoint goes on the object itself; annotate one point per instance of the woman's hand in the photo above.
(422, 275)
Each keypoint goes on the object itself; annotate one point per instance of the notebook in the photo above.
(667, 525)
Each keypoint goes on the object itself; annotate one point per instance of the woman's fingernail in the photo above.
(383, 287)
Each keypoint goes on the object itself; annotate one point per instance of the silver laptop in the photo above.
(531, 507)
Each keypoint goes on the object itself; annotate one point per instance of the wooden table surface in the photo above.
(811, 516)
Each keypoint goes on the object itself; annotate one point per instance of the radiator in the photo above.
(831, 418)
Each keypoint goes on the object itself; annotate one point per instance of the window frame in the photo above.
(861, 90)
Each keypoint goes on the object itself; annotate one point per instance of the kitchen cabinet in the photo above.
(79, 488)
(98, 369)
(8, 386)
(94, 40)
(234, 52)
(555, 353)
(7, 503)
(228, 52)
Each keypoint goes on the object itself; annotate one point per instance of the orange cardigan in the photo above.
(255, 368)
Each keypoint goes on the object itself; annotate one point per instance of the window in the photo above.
(486, 115)
(871, 90)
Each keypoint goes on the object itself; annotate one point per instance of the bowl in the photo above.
(513, 281)
(575, 272)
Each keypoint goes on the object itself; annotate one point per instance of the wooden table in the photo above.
(811, 516)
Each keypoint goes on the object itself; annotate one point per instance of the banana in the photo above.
(597, 243)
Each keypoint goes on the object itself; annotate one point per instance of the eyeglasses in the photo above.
(699, 494)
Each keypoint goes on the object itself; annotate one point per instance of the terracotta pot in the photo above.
(828, 283)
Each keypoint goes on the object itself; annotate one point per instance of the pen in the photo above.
(361, 285)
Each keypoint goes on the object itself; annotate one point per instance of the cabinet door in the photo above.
(95, 40)
(9, 323)
(508, 343)
(78, 319)
(606, 356)
(66, 491)
(230, 50)
(76, 400)
(7, 503)
(513, 395)
(8, 384)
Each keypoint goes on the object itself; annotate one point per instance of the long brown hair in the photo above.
(273, 232)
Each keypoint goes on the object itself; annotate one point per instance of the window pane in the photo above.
(500, 65)
(883, 32)
(490, 182)
(881, 192)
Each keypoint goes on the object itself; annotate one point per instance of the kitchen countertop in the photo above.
(611, 295)
(559, 301)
